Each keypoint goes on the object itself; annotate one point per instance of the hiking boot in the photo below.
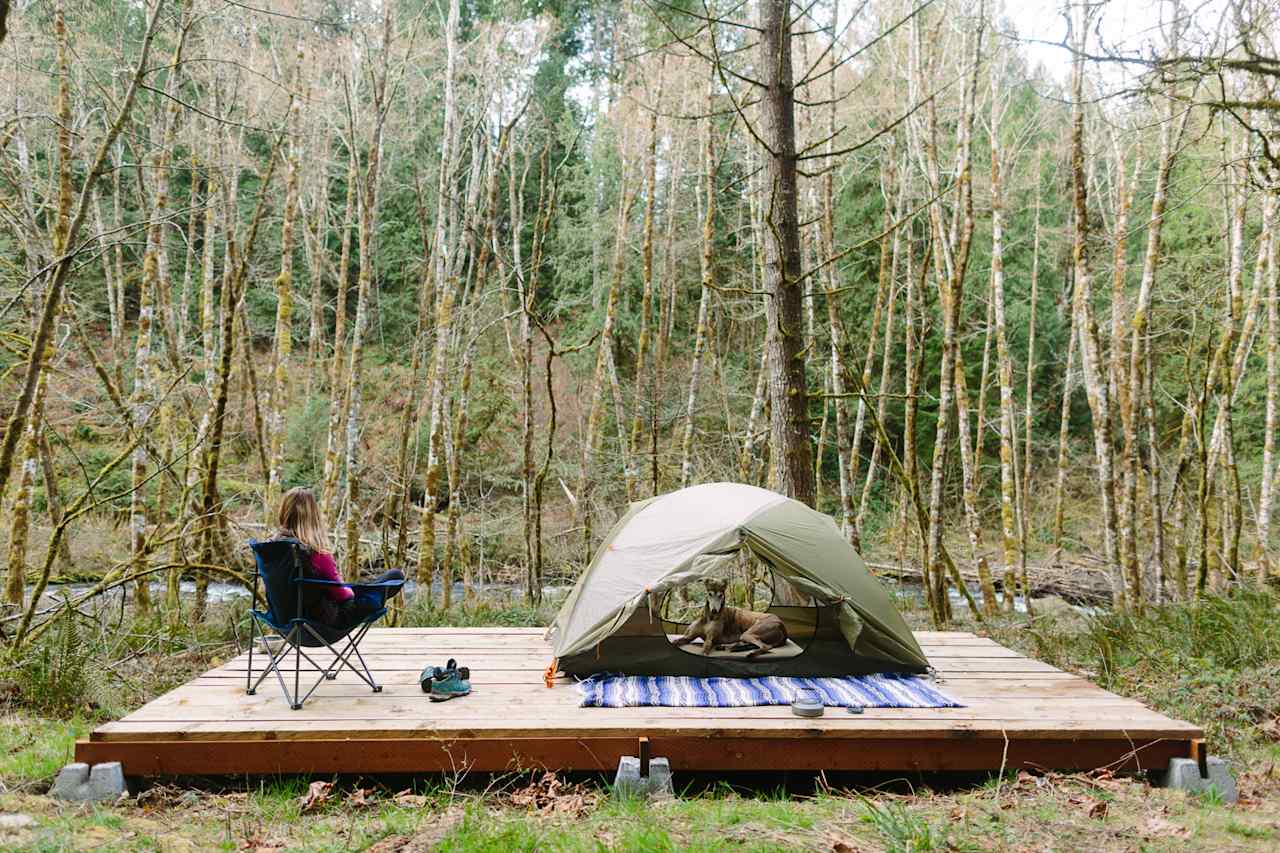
(432, 674)
(452, 685)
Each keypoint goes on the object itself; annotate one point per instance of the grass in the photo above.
(422, 614)
(1212, 662)
(32, 749)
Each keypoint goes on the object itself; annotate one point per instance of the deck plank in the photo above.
(1013, 706)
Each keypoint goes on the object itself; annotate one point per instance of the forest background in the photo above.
(481, 273)
(995, 288)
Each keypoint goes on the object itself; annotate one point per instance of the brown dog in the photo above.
(723, 627)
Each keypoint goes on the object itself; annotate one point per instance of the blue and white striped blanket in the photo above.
(863, 691)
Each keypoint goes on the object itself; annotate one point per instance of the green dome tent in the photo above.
(612, 620)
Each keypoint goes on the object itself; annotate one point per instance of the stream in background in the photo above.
(219, 592)
(499, 594)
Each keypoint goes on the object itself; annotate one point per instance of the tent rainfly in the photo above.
(612, 620)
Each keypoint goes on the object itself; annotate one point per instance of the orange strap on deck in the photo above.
(549, 675)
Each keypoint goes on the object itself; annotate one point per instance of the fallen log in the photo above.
(1073, 582)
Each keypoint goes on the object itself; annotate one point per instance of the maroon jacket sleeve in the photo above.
(324, 568)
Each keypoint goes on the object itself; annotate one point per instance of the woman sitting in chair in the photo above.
(336, 606)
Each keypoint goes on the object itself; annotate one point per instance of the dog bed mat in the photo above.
(787, 650)
(678, 691)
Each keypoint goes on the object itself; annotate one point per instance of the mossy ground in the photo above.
(1213, 663)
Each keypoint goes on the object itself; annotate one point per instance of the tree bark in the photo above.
(280, 373)
(1004, 362)
(1096, 384)
(444, 266)
(791, 456)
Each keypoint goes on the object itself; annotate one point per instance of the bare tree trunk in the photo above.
(280, 374)
(53, 497)
(368, 218)
(20, 507)
(846, 448)
(951, 263)
(886, 364)
(189, 262)
(1139, 367)
(355, 366)
(400, 497)
(911, 407)
(1024, 515)
(746, 459)
(645, 399)
(1064, 431)
(707, 281)
(884, 281)
(542, 226)
(1090, 351)
(250, 380)
(152, 289)
(337, 379)
(1004, 361)
(524, 359)
(970, 475)
(444, 266)
(1266, 497)
(114, 285)
(314, 237)
(1237, 329)
(604, 357)
(208, 319)
(666, 318)
(1120, 391)
(791, 456)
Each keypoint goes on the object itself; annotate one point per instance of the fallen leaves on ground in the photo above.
(260, 845)
(409, 799)
(317, 795)
(164, 796)
(550, 795)
(360, 798)
(1092, 806)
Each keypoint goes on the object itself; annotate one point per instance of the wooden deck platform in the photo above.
(1018, 713)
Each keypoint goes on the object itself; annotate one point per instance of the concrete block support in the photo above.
(628, 782)
(80, 782)
(1184, 775)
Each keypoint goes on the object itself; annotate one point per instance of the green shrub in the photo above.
(116, 483)
(56, 678)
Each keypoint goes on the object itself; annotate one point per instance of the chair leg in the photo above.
(297, 675)
(253, 638)
(273, 667)
(342, 658)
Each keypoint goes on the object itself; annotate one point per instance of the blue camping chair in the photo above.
(281, 565)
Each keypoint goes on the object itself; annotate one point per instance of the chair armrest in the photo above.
(391, 584)
(380, 591)
(321, 582)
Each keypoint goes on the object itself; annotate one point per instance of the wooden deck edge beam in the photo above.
(685, 754)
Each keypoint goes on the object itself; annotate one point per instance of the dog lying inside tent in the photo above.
(733, 628)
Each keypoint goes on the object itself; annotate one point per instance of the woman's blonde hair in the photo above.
(300, 518)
